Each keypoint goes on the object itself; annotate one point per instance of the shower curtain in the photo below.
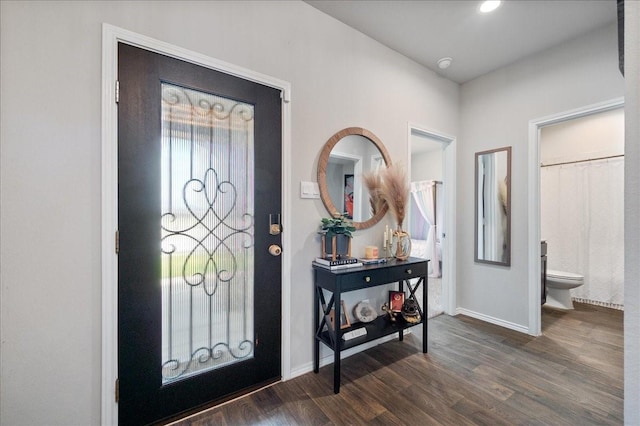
(582, 220)
(424, 225)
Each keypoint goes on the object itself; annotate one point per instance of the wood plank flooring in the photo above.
(474, 374)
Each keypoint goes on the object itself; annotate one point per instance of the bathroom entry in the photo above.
(426, 210)
(581, 206)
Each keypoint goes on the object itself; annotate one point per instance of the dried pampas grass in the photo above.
(394, 189)
(373, 182)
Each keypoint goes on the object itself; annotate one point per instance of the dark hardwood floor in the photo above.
(475, 373)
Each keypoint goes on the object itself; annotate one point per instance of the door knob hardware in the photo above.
(275, 250)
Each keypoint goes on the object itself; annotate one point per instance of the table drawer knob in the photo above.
(367, 279)
(409, 271)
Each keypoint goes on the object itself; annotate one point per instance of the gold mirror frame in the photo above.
(322, 172)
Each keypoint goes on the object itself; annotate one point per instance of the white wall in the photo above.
(584, 138)
(426, 165)
(50, 164)
(632, 215)
(495, 112)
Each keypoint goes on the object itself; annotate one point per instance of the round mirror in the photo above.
(345, 158)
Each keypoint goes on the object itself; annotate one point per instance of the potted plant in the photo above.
(336, 237)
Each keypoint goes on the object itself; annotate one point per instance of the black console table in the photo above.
(344, 280)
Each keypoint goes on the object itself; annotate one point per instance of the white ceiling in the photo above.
(426, 31)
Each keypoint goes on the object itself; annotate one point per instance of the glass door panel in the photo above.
(207, 241)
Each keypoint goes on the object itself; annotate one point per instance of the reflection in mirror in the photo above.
(345, 158)
(349, 159)
(493, 206)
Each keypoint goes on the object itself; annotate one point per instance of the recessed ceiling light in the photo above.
(489, 6)
(444, 63)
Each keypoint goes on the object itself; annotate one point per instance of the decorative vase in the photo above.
(401, 244)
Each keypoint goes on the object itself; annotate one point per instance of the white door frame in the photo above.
(111, 36)
(449, 301)
(535, 312)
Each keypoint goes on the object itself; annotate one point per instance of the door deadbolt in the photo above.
(275, 226)
(275, 250)
(274, 229)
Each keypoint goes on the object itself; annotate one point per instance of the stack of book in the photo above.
(342, 263)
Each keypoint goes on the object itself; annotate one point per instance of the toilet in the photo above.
(559, 284)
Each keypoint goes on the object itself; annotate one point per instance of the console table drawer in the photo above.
(362, 279)
(368, 276)
(404, 272)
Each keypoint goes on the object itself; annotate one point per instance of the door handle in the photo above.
(275, 250)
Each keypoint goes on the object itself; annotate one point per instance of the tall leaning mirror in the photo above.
(345, 158)
(493, 206)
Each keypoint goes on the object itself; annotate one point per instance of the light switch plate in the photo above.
(309, 190)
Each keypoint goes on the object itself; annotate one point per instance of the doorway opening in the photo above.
(536, 128)
(431, 169)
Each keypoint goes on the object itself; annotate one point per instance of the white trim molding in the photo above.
(497, 321)
(111, 36)
(534, 233)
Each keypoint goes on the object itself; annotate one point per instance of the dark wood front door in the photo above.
(199, 295)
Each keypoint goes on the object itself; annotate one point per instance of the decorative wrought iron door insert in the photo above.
(207, 232)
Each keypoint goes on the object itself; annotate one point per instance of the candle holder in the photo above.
(388, 243)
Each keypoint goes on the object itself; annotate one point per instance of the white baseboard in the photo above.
(486, 318)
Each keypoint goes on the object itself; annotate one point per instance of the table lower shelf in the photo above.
(379, 327)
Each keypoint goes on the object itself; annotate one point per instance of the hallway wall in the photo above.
(50, 67)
